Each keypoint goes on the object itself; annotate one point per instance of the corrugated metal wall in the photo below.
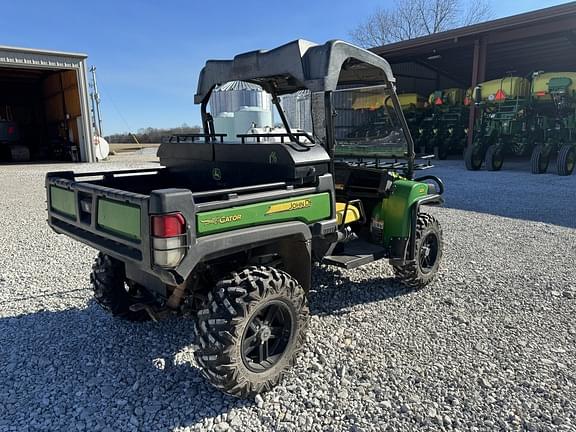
(297, 108)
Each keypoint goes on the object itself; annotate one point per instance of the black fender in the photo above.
(292, 241)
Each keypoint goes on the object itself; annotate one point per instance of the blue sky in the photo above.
(148, 53)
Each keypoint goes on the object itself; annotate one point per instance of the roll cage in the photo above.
(303, 65)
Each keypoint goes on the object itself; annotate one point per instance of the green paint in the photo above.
(62, 201)
(119, 218)
(395, 210)
(305, 208)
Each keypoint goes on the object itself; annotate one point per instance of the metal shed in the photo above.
(463, 57)
(45, 93)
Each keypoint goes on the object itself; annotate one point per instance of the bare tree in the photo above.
(408, 19)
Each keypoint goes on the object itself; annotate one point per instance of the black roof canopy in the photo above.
(298, 65)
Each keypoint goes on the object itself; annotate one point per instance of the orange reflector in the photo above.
(467, 101)
(500, 95)
(541, 93)
(438, 101)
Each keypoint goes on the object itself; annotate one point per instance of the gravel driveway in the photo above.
(489, 346)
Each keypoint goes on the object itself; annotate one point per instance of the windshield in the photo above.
(366, 123)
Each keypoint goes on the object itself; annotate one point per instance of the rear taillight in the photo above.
(170, 225)
(169, 241)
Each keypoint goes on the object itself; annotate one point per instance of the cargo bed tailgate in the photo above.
(108, 219)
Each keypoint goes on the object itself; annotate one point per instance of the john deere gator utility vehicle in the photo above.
(503, 126)
(554, 106)
(228, 229)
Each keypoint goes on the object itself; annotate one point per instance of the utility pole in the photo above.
(95, 98)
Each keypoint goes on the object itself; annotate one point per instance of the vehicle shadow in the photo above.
(80, 368)
(333, 293)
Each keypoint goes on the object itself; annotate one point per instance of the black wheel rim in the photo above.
(477, 158)
(543, 163)
(267, 336)
(428, 253)
(497, 160)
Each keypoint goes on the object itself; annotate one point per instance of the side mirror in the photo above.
(477, 95)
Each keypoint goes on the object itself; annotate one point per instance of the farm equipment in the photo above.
(503, 126)
(554, 107)
(228, 232)
(446, 124)
(414, 107)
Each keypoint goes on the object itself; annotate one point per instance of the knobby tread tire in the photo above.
(539, 160)
(108, 284)
(410, 274)
(566, 151)
(220, 326)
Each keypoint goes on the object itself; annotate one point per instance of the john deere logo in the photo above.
(273, 158)
(221, 220)
(289, 206)
(216, 174)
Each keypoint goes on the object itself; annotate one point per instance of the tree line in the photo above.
(409, 19)
(151, 135)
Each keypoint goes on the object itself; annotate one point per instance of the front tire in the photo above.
(540, 159)
(473, 157)
(112, 291)
(251, 330)
(494, 158)
(566, 160)
(428, 254)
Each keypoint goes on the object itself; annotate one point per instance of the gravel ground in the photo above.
(489, 346)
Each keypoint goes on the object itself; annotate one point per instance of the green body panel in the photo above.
(119, 218)
(394, 212)
(306, 208)
(62, 201)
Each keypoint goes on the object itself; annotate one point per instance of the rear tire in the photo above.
(251, 331)
(566, 160)
(473, 157)
(494, 159)
(428, 254)
(540, 159)
(111, 291)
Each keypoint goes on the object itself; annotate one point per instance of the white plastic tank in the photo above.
(248, 117)
(101, 148)
(239, 122)
(224, 124)
(270, 130)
